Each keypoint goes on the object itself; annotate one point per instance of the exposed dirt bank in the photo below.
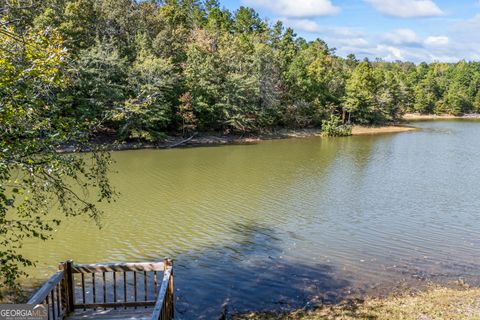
(215, 139)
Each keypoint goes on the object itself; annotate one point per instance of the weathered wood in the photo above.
(63, 289)
(171, 299)
(58, 292)
(104, 288)
(59, 308)
(131, 304)
(94, 292)
(115, 287)
(42, 293)
(52, 298)
(145, 285)
(48, 308)
(118, 267)
(135, 286)
(125, 288)
(159, 305)
(70, 285)
(111, 314)
(182, 142)
(83, 289)
(155, 282)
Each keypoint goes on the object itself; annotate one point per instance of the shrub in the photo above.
(335, 128)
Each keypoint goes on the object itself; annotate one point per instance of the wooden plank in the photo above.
(131, 304)
(83, 289)
(172, 295)
(48, 308)
(114, 287)
(145, 285)
(59, 308)
(70, 285)
(161, 294)
(94, 292)
(125, 287)
(52, 298)
(104, 288)
(118, 267)
(155, 282)
(45, 290)
(111, 314)
(135, 286)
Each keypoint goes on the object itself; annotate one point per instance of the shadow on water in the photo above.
(250, 274)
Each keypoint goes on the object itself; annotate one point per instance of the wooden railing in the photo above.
(117, 286)
(165, 302)
(51, 294)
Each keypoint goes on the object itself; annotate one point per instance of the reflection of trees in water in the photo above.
(250, 274)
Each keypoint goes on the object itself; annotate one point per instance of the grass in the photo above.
(433, 304)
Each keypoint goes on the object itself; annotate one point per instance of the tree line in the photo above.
(146, 68)
(74, 70)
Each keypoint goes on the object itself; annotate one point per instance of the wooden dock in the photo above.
(109, 291)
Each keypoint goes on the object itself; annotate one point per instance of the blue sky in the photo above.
(409, 30)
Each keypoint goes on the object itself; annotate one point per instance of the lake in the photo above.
(286, 223)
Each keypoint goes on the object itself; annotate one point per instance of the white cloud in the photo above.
(407, 8)
(302, 24)
(401, 37)
(297, 9)
(437, 41)
(407, 45)
(312, 26)
(345, 32)
(355, 42)
(452, 41)
(394, 53)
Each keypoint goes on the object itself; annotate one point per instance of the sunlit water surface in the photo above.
(281, 224)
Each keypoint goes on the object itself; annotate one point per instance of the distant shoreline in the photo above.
(213, 139)
(418, 116)
(217, 139)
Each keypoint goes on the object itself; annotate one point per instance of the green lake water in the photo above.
(285, 223)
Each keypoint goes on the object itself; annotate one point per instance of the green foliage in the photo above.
(36, 179)
(101, 84)
(137, 62)
(335, 128)
(150, 112)
(139, 70)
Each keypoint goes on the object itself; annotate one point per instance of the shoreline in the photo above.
(362, 130)
(210, 139)
(434, 303)
(214, 139)
(417, 116)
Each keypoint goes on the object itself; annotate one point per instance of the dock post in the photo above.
(171, 290)
(68, 298)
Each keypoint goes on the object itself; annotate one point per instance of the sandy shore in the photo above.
(212, 139)
(418, 116)
(360, 130)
